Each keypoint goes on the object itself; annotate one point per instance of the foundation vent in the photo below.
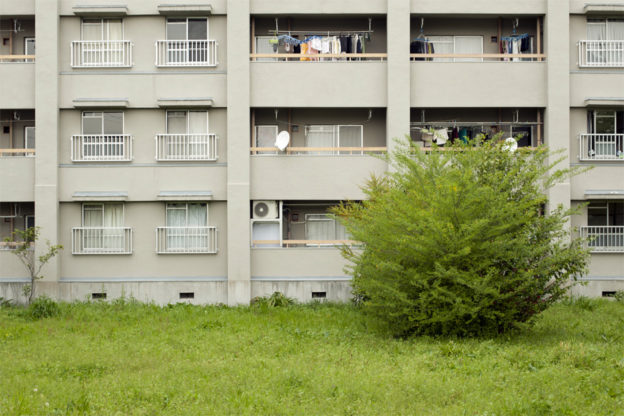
(319, 295)
(608, 294)
(97, 296)
(187, 295)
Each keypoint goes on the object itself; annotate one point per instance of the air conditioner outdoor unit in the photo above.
(264, 210)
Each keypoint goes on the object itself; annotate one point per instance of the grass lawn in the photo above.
(131, 359)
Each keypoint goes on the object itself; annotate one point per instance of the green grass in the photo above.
(127, 358)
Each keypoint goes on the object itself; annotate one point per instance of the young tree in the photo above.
(456, 241)
(24, 241)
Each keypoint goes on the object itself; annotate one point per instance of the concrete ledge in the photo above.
(604, 101)
(604, 8)
(100, 103)
(100, 10)
(169, 279)
(185, 9)
(185, 102)
(301, 279)
(184, 195)
(100, 196)
(604, 194)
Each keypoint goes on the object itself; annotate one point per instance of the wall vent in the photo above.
(187, 295)
(608, 294)
(319, 295)
(98, 295)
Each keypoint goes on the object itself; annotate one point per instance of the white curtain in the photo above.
(197, 238)
(176, 220)
(442, 44)
(266, 231)
(596, 31)
(198, 127)
(92, 29)
(113, 239)
(469, 44)
(615, 30)
(176, 122)
(350, 136)
(320, 227)
(321, 136)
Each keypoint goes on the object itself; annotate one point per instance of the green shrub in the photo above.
(43, 307)
(276, 300)
(456, 243)
(619, 296)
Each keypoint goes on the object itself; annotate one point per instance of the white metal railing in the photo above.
(101, 53)
(180, 240)
(186, 147)
(186, 53)
(604, 239)
(102, 240)
(601, 53)
(601, 147)
(101, 148)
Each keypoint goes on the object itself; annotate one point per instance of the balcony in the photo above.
(601, 147)
(604, 239)
(101, 54)
(186, 53)
(101, 148)
(186, 240)
(102, 240)
(601, 54)
(186, 147)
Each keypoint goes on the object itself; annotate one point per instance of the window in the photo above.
(264, 45)
(102, 135)
(265, 137)
(604, 36)
(323, 227)
(29, 221)
(29, 47)
(606, 128)
(605, 29)
(334, 136)
(457, 44)
(187, 122)
(187, 227)
(187, 40)
(29, 138)
(605, 214)
(102, 42)
(103, 227)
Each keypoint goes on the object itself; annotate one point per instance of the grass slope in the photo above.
(132, 359)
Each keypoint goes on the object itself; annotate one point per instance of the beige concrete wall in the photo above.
(11, 268)
(502, 7)
(585, 84)
(318, 84)
(309, 262)
(144, 262)
(478, 84)
(138, 7)
(17, 179)
(143, 32)
(143, 125)
(312, 177)
(294, 7)
(335, 291)
(26, 29)
(19, 93)
(603, 176)
(17, 8)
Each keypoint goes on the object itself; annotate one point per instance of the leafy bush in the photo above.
(619, 296)
(43, 307)
(276, 300)
(456, 242)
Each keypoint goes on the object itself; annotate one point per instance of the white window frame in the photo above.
(26, 41)
(604, 22)
(103, 206)
(256, 144)
(258, 38)
(102, 22)
(187, 112)
(454, 43)
(123, 121)
(605, 114)
(26, 141)
(26, 220)
(186, 20)
(186, 206)
(335, 130)
(321, 217)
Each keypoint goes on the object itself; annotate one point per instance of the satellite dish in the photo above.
(510, 144)
(282, 140)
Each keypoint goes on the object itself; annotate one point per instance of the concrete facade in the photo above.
(63, 89)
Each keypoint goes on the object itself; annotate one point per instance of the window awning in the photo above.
(185, 9)
(100, 102)
(100, 196)
(184, 195)
(604, 194)
(604, 8)
(604, 101)
(186, 102)
(112, 10)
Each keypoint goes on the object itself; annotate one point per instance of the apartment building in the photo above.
(156, 162)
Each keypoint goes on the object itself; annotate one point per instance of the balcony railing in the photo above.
(101, 53)
(101, 148)
(16, 58)
(601, 147)
(318, 57)
(304, 243)
(604, 239)
(16, 152)
(186, 53)
(321, 151)
(186, 240)
(186, 147)
(102, 240)
(601, 53)
(477, 57)
(12, 245)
